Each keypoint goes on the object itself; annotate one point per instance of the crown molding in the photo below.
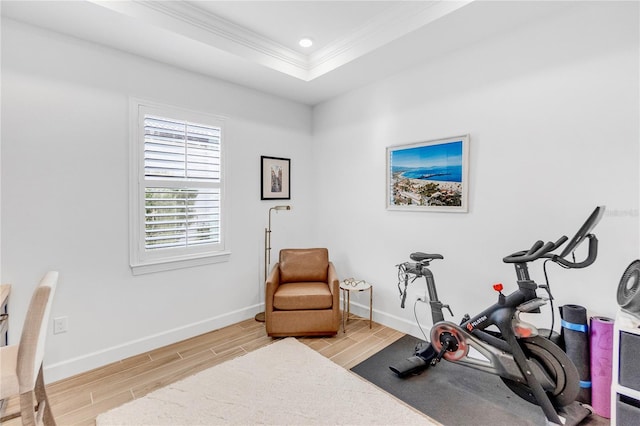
(214, 24)
(188, 20)
(379, 31)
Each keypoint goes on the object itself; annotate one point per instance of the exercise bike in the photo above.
(528, 363)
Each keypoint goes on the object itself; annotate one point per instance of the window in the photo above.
(177, 188)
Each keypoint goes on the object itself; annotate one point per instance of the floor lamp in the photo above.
(267, 251)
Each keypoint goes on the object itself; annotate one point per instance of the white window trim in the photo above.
(141, 260)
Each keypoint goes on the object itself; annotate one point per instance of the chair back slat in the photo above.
(34, 332)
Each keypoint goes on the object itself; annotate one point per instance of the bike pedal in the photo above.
(410, 366)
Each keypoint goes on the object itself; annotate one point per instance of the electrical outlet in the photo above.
(60, 325)
(420, 298)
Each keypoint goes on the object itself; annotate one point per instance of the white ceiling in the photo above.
(285, 22)
(254, 43)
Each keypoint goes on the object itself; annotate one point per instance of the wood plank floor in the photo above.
(78, 400)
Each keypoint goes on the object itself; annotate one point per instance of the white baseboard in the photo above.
(67, 368)
(64, 369)
(397, 323)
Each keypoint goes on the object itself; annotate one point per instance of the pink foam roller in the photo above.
(601, 343)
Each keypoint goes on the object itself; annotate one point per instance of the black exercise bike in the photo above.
(528, 363)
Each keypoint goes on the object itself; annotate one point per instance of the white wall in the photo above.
(65, 172)
(552, 112)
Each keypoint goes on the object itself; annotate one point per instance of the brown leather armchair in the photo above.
(302, 294)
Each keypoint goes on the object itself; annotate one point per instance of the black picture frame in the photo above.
(275, 178)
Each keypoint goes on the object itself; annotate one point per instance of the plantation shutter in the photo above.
(182, 172)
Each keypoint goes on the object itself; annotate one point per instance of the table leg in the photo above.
(344, 308)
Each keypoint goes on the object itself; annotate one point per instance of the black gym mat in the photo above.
(449, 393)
(453, 394)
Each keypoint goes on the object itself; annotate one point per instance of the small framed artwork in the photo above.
(429, 176)
(275, 178)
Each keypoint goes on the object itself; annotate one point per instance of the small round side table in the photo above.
(347, 286)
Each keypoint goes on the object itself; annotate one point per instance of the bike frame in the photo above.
(505, 356)
(501, 313)
(504, 351)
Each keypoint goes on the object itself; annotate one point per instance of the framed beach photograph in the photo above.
(275, 178)
(429, 176)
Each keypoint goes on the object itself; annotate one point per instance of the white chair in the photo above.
(21, 364)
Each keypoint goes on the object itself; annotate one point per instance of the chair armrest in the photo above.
(333, 282)
(270, 287)
(334, 287)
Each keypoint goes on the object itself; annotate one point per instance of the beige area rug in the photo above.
(285, 383)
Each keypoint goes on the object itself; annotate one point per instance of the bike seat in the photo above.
(419, 256)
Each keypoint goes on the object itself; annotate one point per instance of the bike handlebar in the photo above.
(591, 257)
(537, 250)
(540, 250)
(535, 247)
(561, 241)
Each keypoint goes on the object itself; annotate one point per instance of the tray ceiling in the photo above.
(254, 43)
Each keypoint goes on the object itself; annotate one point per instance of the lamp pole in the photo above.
(267, 251)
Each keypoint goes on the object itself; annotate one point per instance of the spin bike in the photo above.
(529, 364)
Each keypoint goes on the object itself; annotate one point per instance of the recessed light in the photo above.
(305, 42)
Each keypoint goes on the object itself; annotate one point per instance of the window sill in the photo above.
(171, 264)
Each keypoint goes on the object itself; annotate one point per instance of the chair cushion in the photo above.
(8, 374)
(301, 296)
(298, 265)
